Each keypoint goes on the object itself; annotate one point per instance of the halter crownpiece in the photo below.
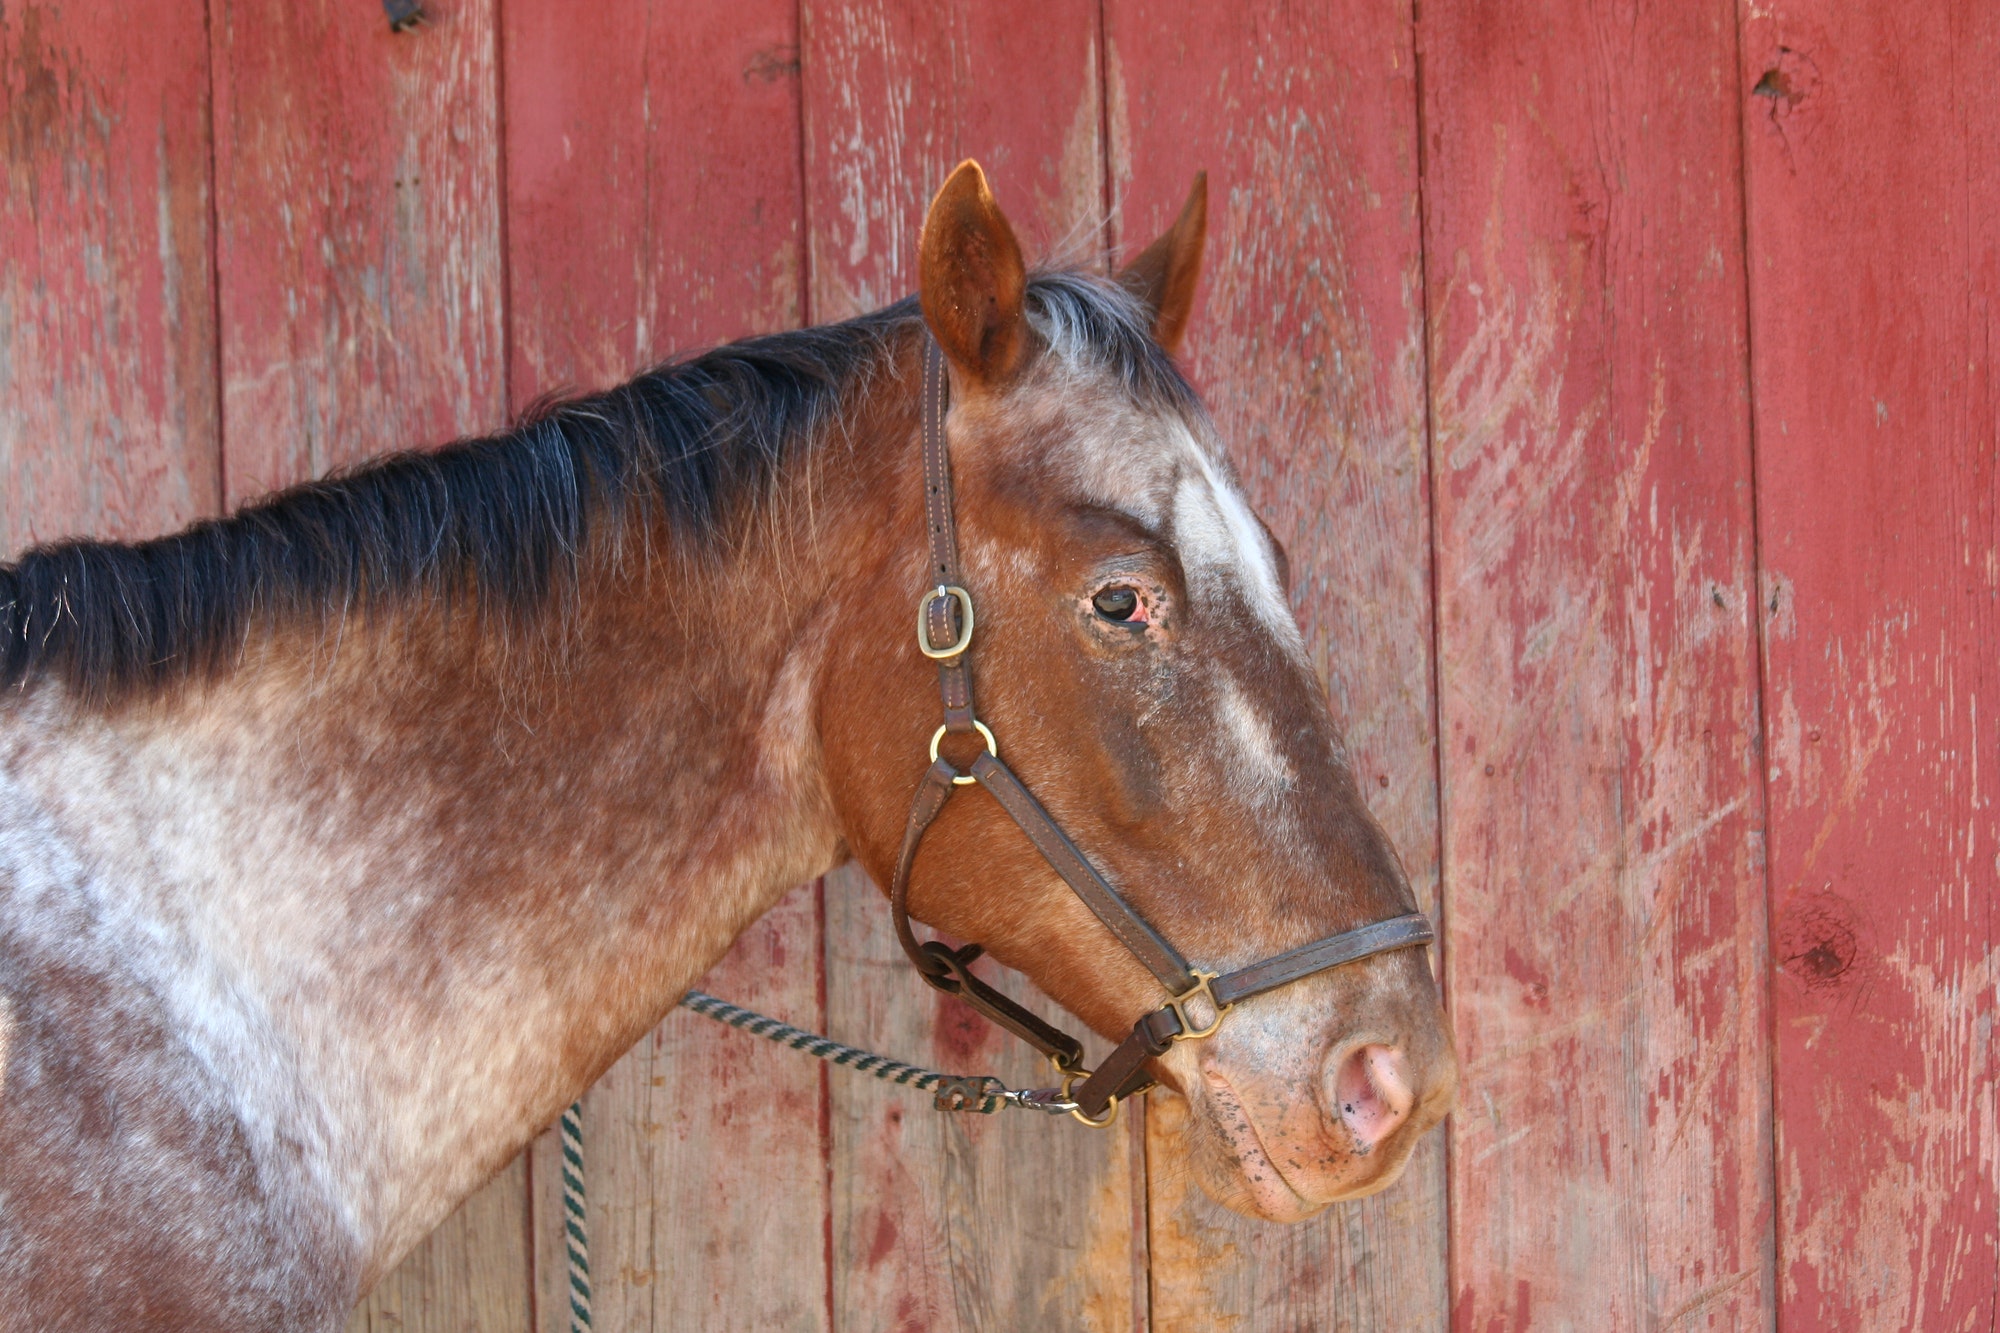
(944, 634)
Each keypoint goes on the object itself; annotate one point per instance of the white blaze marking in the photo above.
(1216, 532)
(1262, 771)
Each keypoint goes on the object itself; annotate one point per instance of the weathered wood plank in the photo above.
(107, 331)
(897, 95)
(652, 183)
(1872, 149)
(705, 1167)
(971, 1222)
(653, 205)
(466, 1277)
(357, 209)
(358, 233)
(1309, 347)
(952, 1222)
(1598, 682)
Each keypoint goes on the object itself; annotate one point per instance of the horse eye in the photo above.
(1116, 603)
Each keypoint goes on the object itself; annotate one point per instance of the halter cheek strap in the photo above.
(945, 626)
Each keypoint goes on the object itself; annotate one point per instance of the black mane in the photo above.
(501, 520)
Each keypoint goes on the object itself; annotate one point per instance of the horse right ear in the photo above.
(971, 280)
(1164, 275)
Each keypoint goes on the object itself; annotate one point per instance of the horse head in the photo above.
(1140, 667)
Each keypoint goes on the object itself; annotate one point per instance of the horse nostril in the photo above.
(1371, 1092)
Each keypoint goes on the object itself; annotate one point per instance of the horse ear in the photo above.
(1165, 273)
(971, 278)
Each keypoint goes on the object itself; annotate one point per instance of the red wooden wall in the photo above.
(1619, 376)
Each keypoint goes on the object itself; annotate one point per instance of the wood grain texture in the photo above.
(652, 183)
(466, 1276)
(964, 1222)
(358, 233)
(1603, 875)
(705, 1170)
(1309, 348)
(107, 330)
(897, 95)
(1873, 158)
(654, 206)
(942, 1222)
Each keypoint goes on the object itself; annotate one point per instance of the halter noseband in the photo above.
(944, 634)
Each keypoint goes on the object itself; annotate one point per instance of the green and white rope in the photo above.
(576, 1225)
(866, 1062)
(576, 1233)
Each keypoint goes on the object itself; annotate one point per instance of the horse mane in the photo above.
(503, 520)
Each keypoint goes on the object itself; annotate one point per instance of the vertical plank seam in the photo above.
(1430, 492)
(805, 257)
(220, 470)
(1759, 628)
(825, 1109)
(1106, 235)
(502, 205)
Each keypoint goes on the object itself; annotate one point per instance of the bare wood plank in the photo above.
(358, 238)
(1309, 348)
(705, 1170)
(953, 1222)
(1870, 151)
(1598, 682)
(358, 217)
(466, 1276)
(653, 205)
(107, 333)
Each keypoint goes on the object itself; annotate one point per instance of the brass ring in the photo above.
(1110, 1110)
(992, 748)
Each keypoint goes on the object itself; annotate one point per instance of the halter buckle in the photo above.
(964, 640)
(1179, 1004)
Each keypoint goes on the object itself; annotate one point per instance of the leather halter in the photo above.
(944, 633)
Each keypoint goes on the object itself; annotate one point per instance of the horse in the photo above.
(346, 839)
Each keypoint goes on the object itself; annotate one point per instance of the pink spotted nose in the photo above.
(1366, 1089)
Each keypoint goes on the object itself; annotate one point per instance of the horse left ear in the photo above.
(1164, 275)
(970, 278)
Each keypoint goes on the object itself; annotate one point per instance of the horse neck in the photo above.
(448, 874)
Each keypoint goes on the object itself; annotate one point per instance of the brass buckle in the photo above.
(992, 748)
(1069, 1078)
(1179, 1005)
(964, 600)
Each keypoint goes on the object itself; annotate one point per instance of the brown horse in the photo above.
(345, 840)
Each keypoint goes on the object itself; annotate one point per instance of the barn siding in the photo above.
(1874, 184)
(1618, 376)
(1603, 877)
(107, 291)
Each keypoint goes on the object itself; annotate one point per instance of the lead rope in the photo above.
(576, 1229)
(980, 1093)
